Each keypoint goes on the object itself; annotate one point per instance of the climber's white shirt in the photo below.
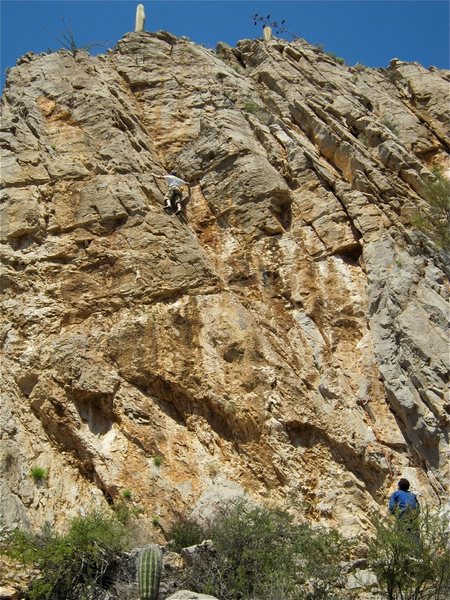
(172, 180)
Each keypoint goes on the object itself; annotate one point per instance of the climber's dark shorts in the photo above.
(173, 197)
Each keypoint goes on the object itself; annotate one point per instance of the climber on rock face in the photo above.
(173, 198)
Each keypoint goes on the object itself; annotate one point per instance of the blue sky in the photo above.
(366, 31)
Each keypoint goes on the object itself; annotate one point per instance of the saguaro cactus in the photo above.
(140, 18)
(149, 572)
(267, 33)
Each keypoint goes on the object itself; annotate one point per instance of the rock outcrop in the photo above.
(186, 595)
(288, 340)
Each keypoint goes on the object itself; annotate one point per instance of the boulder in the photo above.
(187, 595)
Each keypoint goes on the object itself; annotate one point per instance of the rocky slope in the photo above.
(289, 339)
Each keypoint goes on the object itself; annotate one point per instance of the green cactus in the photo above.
(149, 572)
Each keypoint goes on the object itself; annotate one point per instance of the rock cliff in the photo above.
(287, 339)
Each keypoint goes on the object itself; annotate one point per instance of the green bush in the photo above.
(411, 558)
(390, 125)
(125, 511)
(322, 553)
(259, 553)
(332, 55)
(185, 533)
(251, 107)
(157, 461)
(252, 549)
(156, 521)
(435, 221)
(73, 565)
(122, 511)
(38, 473)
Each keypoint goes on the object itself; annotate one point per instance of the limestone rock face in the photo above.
(287, 340)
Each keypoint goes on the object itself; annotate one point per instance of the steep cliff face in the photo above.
(289, 339)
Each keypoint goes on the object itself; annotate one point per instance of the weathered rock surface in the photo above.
(186, 595)
(8, 593)
(289, 341)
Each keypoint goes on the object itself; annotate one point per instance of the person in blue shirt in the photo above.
(405, 506)
(403, 502)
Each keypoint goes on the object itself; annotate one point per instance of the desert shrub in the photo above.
(332, 55)
(363, 138)
(73, 565)
(411, 559)
(184, 533)
(321, 552)
(38, 473)
(338, 59)
(123, 511)
(7, 459)
(390, 125)
(252, 549)
(260, 112)
(68, 42)
(158, 461)
(259, 553)
(251, 107)
(156, 521)
(435, 220)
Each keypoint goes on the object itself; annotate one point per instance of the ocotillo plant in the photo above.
(149, 572)
(140, 18)
(279, 28)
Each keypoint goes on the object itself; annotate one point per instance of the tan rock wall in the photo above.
(288, 339)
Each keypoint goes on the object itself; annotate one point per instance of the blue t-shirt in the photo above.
(402, 502)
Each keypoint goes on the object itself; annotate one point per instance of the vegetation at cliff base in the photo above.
(411, 558)
(71, 565)
(260, 553)
(244, 551)
(184, 533)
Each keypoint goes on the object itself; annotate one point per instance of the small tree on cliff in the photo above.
(435, 219)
